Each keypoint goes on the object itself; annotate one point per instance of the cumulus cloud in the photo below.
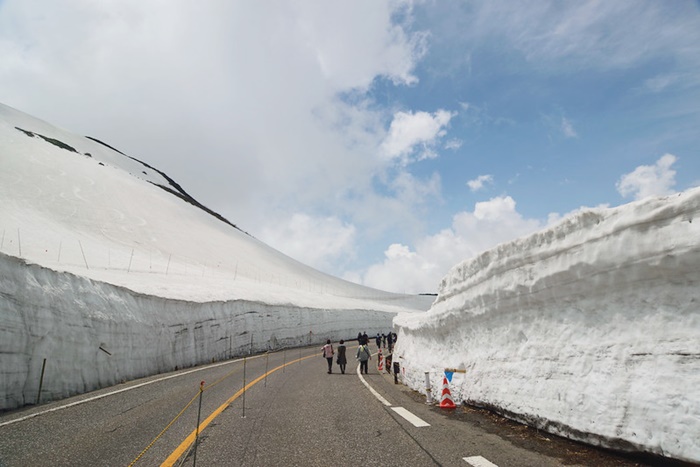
(649, 180)
(472, 232)
(415, 134)
(479, 182)
(319, 242)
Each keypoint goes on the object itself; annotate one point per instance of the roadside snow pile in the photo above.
(589, 329)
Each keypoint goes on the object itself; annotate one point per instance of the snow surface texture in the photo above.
(589, 329)
(110, 271)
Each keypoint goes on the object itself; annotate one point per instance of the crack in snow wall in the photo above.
(589, 329)
(95, 334)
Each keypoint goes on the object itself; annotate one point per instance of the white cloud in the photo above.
(318, 242)
(479, 182)
(412, 133)
(568, 129)
(661, 82)
(412, 191)
(454, 143)
(649, 180)
(591, 34)
(240, 102)
(420, 271)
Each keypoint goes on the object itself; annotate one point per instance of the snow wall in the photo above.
(94, 334)
(589, 329)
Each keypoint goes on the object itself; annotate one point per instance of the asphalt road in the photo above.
(292, 414)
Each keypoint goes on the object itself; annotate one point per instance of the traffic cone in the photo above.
(446, 401)
(380, 361)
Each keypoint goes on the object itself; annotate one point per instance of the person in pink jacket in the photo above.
(328, 355)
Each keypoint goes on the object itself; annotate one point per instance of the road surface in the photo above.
(292, 413)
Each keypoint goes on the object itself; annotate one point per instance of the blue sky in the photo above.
(383, 142)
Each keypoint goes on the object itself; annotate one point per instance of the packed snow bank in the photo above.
(95, 334)
(589, 329)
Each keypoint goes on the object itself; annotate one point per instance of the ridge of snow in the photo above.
(589, 329)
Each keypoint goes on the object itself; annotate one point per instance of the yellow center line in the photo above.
(170, 461)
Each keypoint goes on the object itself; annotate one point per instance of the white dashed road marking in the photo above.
(478, 461)
(475, 461)
(417, 422)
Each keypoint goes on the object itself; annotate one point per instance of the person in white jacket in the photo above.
(328, 355)
(363, 355)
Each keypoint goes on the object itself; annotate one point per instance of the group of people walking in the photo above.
(363, 354)
(328, 353)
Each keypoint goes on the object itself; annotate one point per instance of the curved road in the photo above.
(292, 413)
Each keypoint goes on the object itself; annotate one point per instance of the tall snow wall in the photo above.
(589, 329)
(94, 334)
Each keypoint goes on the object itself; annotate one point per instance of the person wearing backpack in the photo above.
(363, 355)
(328, 355)
(341, 361)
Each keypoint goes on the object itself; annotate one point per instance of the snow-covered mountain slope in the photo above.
(98, 249)
(72, 204)
(589, 329)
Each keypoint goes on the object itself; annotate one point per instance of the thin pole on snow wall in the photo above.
(83, 252)
(131, 258)
(41, 382)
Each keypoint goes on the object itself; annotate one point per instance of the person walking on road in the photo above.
(328, 354)
(363, 355)
(341, 361)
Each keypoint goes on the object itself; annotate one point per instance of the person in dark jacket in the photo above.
(361, 338)
(342, 360)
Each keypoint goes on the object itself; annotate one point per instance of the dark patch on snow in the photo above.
(107, 145)
(53, 141)
(28, 133)
(176, 189)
